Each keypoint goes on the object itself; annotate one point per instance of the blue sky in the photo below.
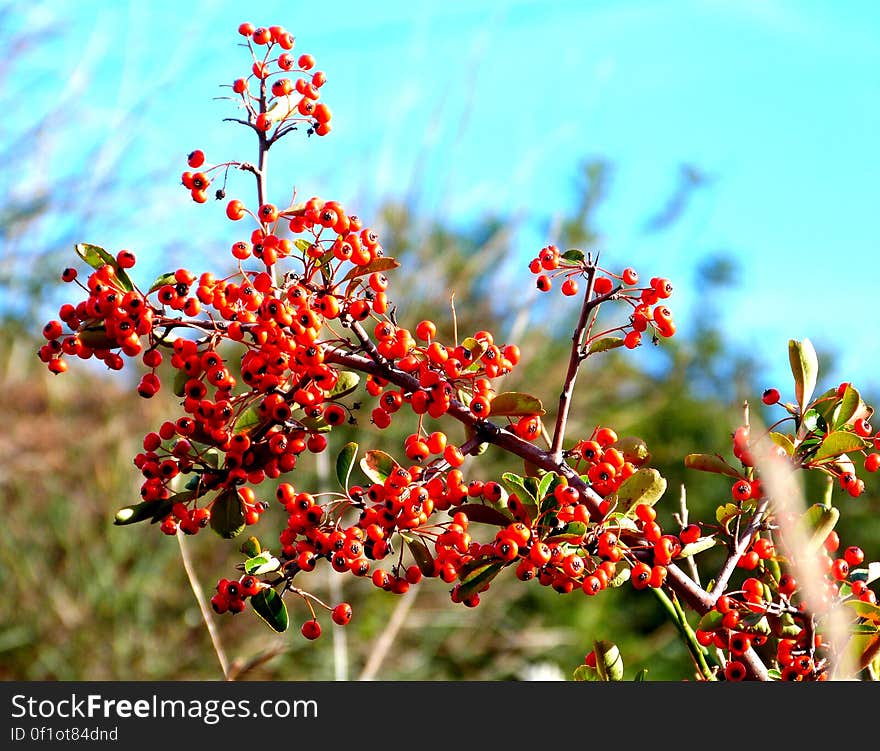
(494, 104)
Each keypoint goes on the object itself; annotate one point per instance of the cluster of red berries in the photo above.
(282, 102)
(107, 324)
(770, 606)
(822, 412)
(605, 464)
(649, 312)
(231, 595)
(444, 372)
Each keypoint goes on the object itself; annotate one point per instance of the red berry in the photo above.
(341, 614)
(771, 396)
(196, 158)
(311, 629)
(862, 428)
(854, 556)
(741, 490)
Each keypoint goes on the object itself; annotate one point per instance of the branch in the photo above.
(574, 363)
(739, 549)
(685, 588)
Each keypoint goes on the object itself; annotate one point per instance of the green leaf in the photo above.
(774, 675)
(516, 404)
(788, 629)
(604, 344)
(248, 419)
(377, 465)
(621, 577)
(476, 347)
(710, 463)
(346, 383)
(227, 514)
(546, 484)
(634, 450)
(586, 673)
(726, 512)
(862, 649)
(837, 443)
(477, 512)
(783, 441)
(573, 533)
(345, 463)
(140, 512)
(574, 255)
(262, 563)
(531, 486)
(849, 406)
(251, 547)
(316, 424)
(865, 610)
(864, 628)
(516, 484)
(162, 280)
(420, 553)
(698, 546)
(609, 662)
(267, 604)
(623, 522)
(805, 368)
(96, 337)
(755, 623)
(377, 264)
(642, 675)
(473, 579)
(711, 621)
(180, 379)
(813, 420)
(302, 245)
(96, 257)
(819, 520)
(646, 486)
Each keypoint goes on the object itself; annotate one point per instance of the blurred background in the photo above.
(730, 147)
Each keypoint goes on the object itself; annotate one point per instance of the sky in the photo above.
(489, 108)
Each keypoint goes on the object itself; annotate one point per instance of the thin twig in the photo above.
(685, 516)
(739, 549)
(203, 606)
(386, 639)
